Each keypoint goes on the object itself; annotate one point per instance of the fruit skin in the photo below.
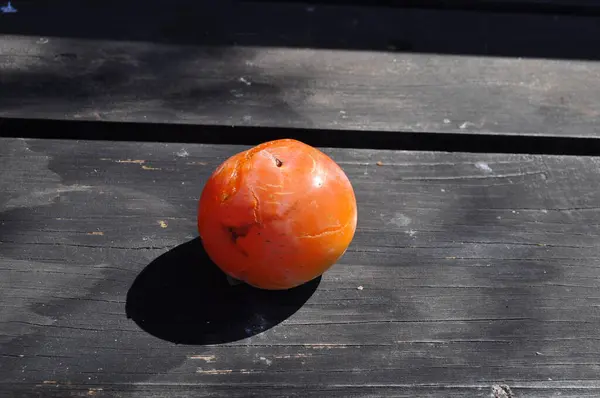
(277, 215)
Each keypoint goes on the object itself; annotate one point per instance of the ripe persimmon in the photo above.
(277, 215)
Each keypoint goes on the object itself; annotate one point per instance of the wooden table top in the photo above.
(472, 149)
(467, 270)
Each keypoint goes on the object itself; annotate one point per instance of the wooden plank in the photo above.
(369, 69)
(443, 3)
(566, 3)
(467, 272)
(331, 90)
(533, 6)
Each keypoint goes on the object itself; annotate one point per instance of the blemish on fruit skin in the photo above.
(273, 186)
(238, 232)
(282, 193)
(256, 206)
(163, 224)
(314, 162)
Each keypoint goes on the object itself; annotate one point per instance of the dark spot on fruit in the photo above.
(238, 232)
(278, 162)
(290, 209)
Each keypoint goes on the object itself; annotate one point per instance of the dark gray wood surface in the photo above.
(530, 6)
(368, 68)
(468, 272)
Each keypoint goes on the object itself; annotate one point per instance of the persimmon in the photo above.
(277, 215)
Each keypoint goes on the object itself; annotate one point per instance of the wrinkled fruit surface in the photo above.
(277, 215)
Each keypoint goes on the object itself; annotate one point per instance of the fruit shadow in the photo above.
(184, 298)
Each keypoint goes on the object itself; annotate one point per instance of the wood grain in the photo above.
(467, 272)
(331, 90)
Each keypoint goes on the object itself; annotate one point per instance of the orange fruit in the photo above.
(277, 215)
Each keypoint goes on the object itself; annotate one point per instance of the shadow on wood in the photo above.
(252, 135)
(345, 26)
(183, 297)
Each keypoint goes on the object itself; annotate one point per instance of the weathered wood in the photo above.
(335, 90)
(409, 69)
(468, 272)
(533, 6)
